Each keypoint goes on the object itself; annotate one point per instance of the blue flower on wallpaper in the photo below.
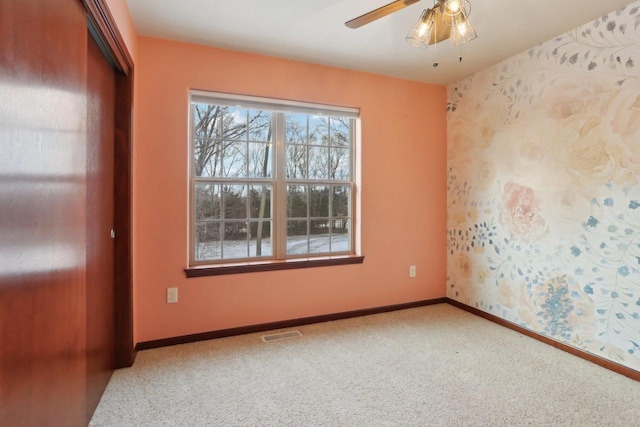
(592, 222)
(555, 310)
(610, 243)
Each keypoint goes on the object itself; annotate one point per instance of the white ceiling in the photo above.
(314, 31)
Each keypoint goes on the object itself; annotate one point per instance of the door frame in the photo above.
(103, 27)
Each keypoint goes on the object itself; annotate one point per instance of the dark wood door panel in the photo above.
(43, 361)
(100, 222)
(42, 212)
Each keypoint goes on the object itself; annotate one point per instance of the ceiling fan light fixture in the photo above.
(453, 14)
(453, 7)
(462, 31)
(447, 19)
(420, 35)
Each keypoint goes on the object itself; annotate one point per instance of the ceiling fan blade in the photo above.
(379, 13)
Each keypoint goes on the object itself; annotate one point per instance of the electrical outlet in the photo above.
(172, 295)
(412, 271)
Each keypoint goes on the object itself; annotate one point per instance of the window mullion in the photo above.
(330, 196)
(192, 184)
(307, 183)
(280, 190)
(352, 187)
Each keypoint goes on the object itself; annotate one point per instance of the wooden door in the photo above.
(42, 212)
(100, 223)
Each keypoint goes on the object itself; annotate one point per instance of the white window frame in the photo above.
(278, 179)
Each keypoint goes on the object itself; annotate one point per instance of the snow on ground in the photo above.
(296, 245)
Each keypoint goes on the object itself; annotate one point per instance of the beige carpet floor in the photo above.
(429, 366)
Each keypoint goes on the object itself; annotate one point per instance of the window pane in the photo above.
(234, 125)
(207, 121)
(235, 159)
(319, 226)
(297, 239)
(340, 131)
(319, 201)
(260, 156)
(260, 242)
(296, 164)
(340, 235)
(340, 203)
(296, 201)
(260, 201)
(296, 125)
(318, 130)
(260, 126)
(235, 243)
(339, 164)
(207, 156)
(207, 241)
(207, 201)
(318, 163)
(319, 236)
(235, 202)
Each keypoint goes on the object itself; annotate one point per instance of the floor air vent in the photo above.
(281, 336)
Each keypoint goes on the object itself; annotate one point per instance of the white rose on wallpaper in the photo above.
(590, 120)
(526, 151)
(473, 129)
(520, 213)
(592, 155)
(569, 98)
(589, 157)
(465, 149)
(471, 117)
(624, 125)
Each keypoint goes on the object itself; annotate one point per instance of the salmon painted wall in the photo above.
(403, 192)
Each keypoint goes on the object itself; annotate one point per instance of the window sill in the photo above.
(271, 265)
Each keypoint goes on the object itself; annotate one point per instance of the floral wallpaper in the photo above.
(544, 188)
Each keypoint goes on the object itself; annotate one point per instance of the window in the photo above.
(270, 179)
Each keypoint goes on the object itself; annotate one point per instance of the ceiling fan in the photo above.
(446, 19)
(379, 13)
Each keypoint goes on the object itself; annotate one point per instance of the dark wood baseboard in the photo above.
(146, 345)
(605, 363)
